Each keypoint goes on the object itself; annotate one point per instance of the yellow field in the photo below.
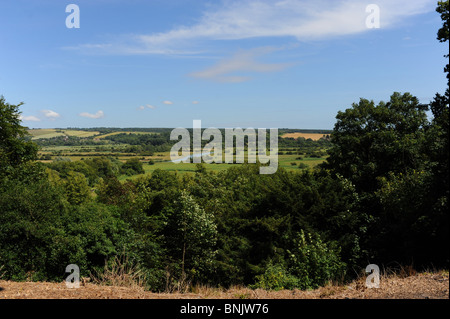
(313, 136)
(80, 133)
(49, 133)
(115, 133)
(44, 133)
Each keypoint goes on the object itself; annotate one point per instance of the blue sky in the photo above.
(246, 63)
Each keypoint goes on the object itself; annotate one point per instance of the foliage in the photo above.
(190, 236)
(371, 140)
(276, 277)
(314, 262)
(444, 32)
(132, 167)
(41, 232)
(15, 149)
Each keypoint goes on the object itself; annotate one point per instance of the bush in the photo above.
(132, 167)
(41, 232)
(313, 262)
(275, 277)
(302, 166)
(28, 224)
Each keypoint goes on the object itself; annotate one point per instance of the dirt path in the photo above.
(419, 286)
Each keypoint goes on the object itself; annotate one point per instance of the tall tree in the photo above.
(443, 33)
(15, 149)
(191, 235)
(369, 140)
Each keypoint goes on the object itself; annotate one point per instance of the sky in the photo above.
(228, 63)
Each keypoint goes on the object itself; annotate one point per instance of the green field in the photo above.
(284, 161)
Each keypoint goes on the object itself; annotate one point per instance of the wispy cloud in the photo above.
(168, 102)
(243, 61)
(30, 118)
(238, 19)
(143, 107)
(51, 115)
(98, 115)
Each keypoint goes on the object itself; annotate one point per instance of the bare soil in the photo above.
(417, 286)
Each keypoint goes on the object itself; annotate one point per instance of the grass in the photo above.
(286, 160)
(2, 273)
(120, 273)
(190, 168)
(402, 282)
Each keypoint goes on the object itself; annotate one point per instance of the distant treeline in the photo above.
(107, 130)
(310, 131)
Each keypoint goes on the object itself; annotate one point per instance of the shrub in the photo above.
(313, 262)
(275, 277)
(132, 167)
(302, 166)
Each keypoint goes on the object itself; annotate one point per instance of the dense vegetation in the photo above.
(381, 197)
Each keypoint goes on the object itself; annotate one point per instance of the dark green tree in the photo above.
(132, 167)
(15, 148)
(369, 140)
(443, 33)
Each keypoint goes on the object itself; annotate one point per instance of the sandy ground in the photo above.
(419, 286)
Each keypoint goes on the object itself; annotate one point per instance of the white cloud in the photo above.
(142, 107)
(243, 61)
(51, 115)
(238, 19)
(29, 118)
(97, 115)
(195, 102)
(168, 102)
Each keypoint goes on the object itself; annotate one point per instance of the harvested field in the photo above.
(313, 136)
